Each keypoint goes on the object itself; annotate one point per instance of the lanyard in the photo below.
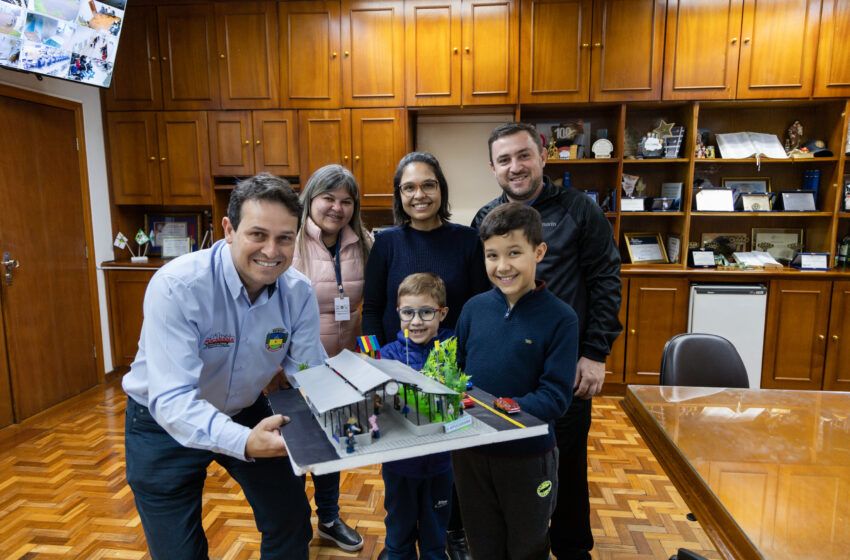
(337, 267)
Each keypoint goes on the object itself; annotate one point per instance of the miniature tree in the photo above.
(442, 366)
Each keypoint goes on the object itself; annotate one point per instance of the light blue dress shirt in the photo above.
(206, 352)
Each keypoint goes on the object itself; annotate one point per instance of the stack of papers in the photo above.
(757, 259)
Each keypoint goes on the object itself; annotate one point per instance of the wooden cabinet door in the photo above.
(778, 42)
(136, 82)
(378, 142)
(795, 334)
(188, 55)
(747, 491)
(432, 52)
(275, 142)
(324, 138)
(837, 371)
(310, 71)
(555, 51)
(247, 54)
(832, 72)
(627, 53)
(125, 296)
(7, 409)
(134, 158)
(231, 143)
(658, 310)
(490, 45)
(702, 47)
(615, 365)
(373, 53)
(184, 158)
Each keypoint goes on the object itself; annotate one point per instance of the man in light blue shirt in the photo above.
(219, 324)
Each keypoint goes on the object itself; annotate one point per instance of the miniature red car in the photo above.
(467, 401)
(508, 405)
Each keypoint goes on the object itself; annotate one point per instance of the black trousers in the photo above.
(569, 531)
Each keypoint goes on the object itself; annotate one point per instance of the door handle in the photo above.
(9, 264)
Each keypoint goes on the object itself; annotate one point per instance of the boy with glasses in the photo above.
(418, 491)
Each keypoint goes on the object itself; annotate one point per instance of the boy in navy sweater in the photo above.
(418, 491)
(520, 341)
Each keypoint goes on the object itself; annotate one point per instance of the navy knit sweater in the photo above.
(527, 353)
(451, 251)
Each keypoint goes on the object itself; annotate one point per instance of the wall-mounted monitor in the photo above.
(69, 39)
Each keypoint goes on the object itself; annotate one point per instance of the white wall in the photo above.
(89, 98)
(459, 143)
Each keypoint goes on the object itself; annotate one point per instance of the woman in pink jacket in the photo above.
(331, 250)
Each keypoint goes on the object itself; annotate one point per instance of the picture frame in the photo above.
(737, 241)
(781, 243)
(746, 185)
(646, 248)
(171, 224)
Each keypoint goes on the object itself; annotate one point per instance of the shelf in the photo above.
(613, 215)
(767, 160)
(652, 213)
(764, 215)
(844, 215)
(656, 160)
(581, 161)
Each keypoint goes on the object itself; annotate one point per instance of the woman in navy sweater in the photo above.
(422, 241)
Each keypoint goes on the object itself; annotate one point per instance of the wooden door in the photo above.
(324, 138)
(378, 142)
(832, 72)
(134, 158)
(47, 309)
(184, 158)
(126, 294)
(627, 52)
(658, 310)
(246, 35)
(136, 82)
(372, 53)
(747, 491)
(555, 51)
(795, 334)
(188, 54)
(231, 143)
(837, 371)
(310, 71)
(490, 52)
(7, 409)
(702, 47)
(275, 142)
(615, 365)
(432, 49)
(778, 45)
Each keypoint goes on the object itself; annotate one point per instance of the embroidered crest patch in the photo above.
(276, 339)
(544, 488)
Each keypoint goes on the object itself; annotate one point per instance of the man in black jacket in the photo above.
(582, 267)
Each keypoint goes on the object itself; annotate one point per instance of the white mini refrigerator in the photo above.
(735, 312)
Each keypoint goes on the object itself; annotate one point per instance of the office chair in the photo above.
(702, 360)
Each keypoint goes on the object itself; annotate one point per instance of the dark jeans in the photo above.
(326, 496)
(418, 510)
(570, 529)
(167, 480)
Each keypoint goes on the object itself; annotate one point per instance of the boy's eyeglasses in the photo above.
(428, 187)
(425, 313)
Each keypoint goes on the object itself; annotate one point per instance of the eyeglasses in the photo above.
(425, 313)
(428, 187)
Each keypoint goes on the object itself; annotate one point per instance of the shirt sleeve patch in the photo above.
(218, 340)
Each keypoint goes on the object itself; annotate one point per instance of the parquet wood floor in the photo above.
(63, 493)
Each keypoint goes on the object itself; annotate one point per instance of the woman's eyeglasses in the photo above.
(428, 187)
(425, 313)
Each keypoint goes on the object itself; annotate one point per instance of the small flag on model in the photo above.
(141, 238)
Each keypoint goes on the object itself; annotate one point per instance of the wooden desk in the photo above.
(766, 472)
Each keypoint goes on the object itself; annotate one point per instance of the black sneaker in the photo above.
(456, 545)
(344, 536)
(383, 555)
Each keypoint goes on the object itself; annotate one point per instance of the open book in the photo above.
(757, 259)
(740, 145)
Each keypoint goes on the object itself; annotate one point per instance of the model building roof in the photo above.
(325, 389)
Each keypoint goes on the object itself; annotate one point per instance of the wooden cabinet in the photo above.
(372, 53)
(370, 142)
(310, 55)
(159, 158)
(136, 83)
(490, 43)
(614, 53)
(189, 57)
(433, 52)
(125, 297)
(249, 142)
(837, 369)
(247, 54)
(658, 310)
(795, 334)
(614, 365)
(832, 73)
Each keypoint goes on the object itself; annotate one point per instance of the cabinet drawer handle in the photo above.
(164, 58)
(746, 40)
(221, 55)
(333, 55)
(345, 53)
(632, 331)
(585, 45)
(257, 142)
(153, 158)
(455, 50)
(153, 58)
(821, 337)
(162, 158)
(247, 142)
(835, 338)
(344, 158)
(734, 40)
(597, 45)
(467, 49)
(356, 158)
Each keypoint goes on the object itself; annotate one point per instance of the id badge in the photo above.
(342, 309)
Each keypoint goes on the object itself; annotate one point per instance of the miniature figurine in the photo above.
(552, 150)
(373, 423)
(376, 402)
(349, 440)
(795, 136)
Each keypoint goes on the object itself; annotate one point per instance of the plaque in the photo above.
(633, 204)
(811, 261)
(797, 201)
(662, 204)
(701, 258)
(645, 248)
(782, 244)
(714, 199)
(753, 202)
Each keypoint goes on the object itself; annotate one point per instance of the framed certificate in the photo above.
(646, 248)
(164, 225)
(782, 244)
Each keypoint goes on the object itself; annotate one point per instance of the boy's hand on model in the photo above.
(590, 375)
(265, 439)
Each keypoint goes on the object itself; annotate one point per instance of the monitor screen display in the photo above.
(69, 39)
